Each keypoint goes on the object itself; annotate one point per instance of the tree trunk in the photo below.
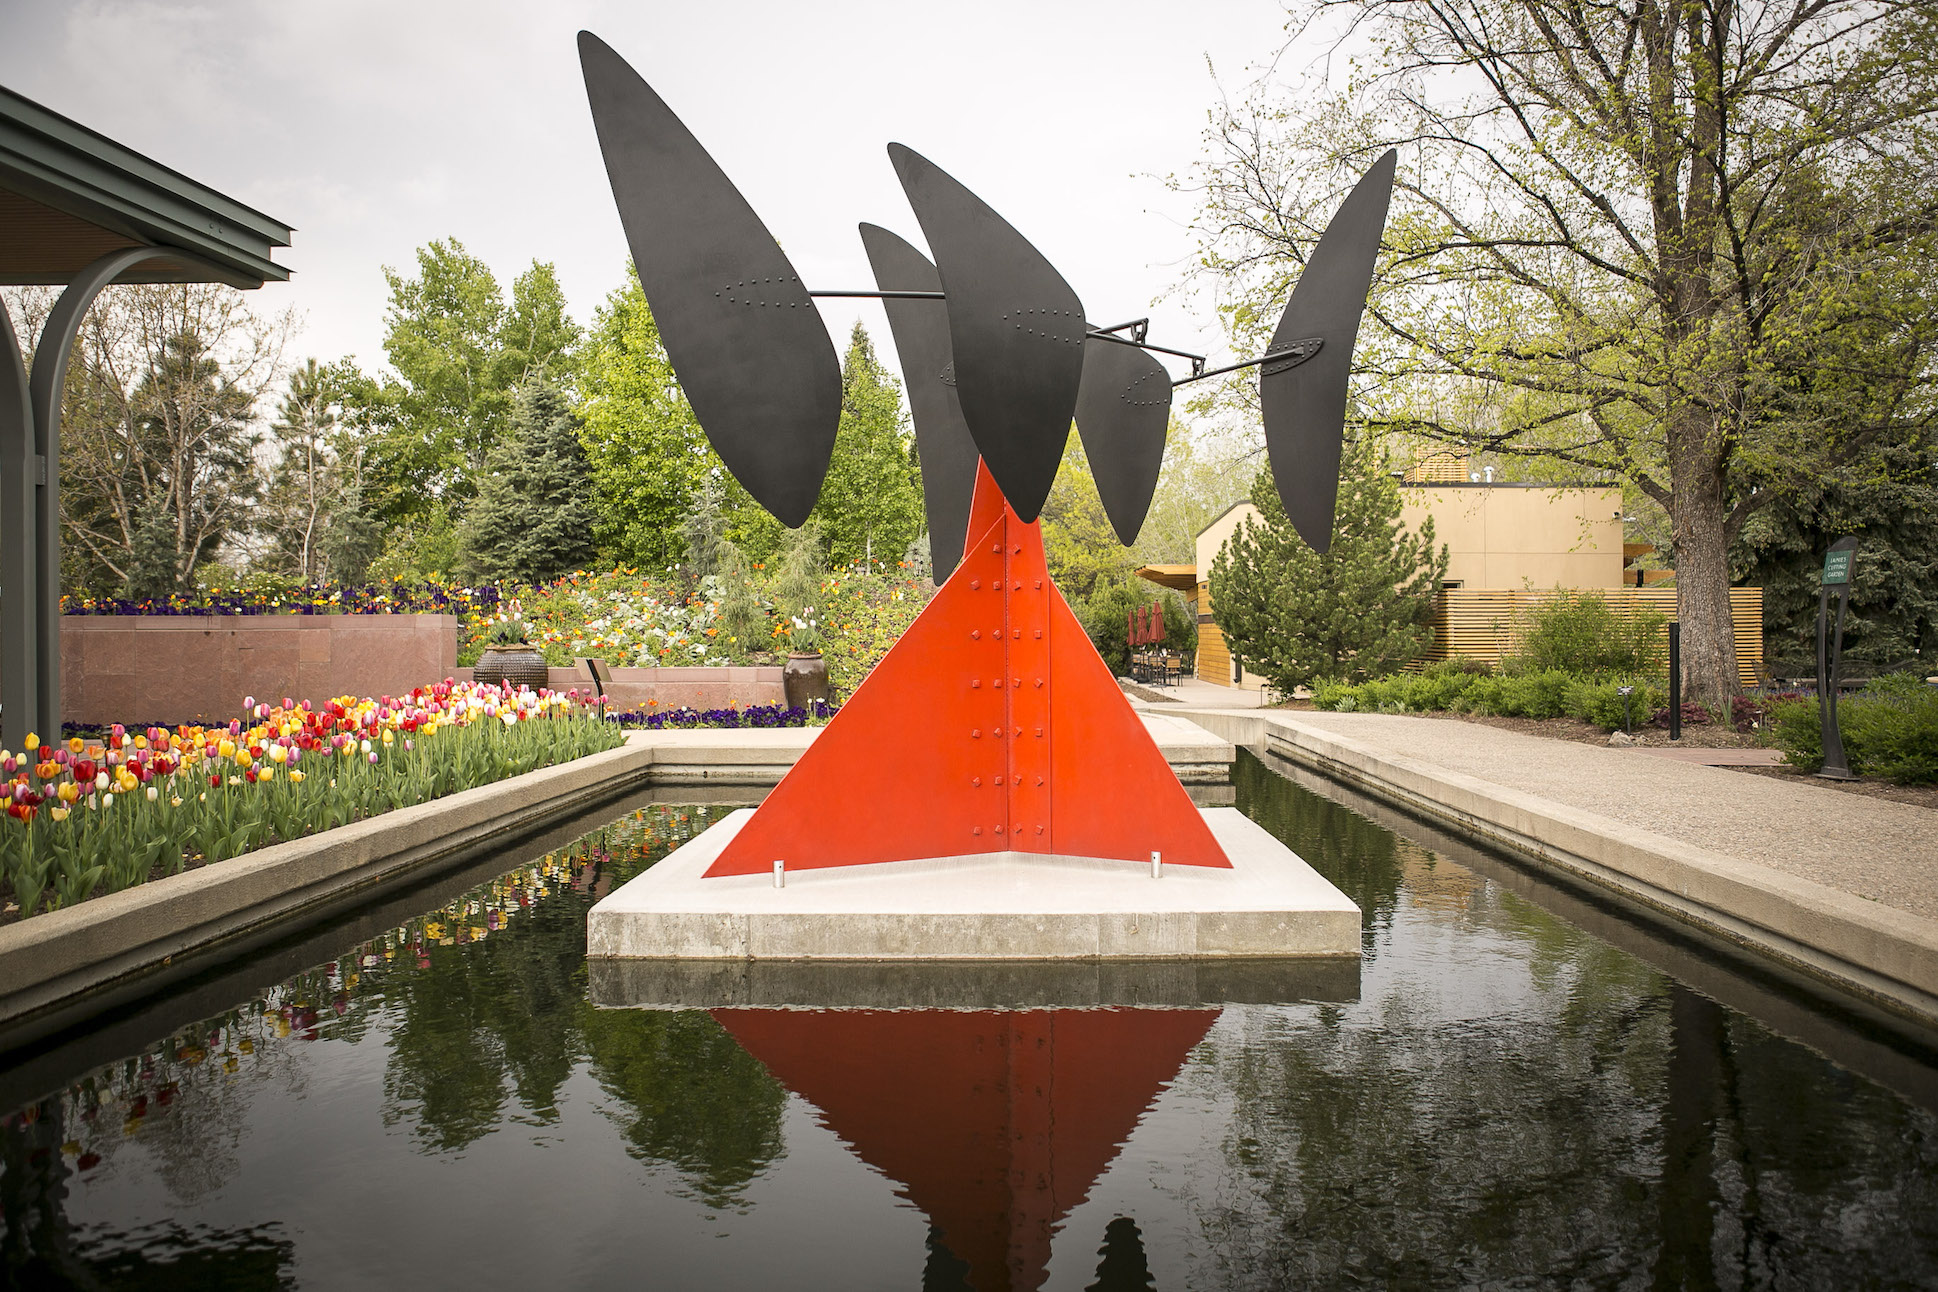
(1698, 513)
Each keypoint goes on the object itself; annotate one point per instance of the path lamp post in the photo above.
(1675, 679)
(1628, 719)
(1830, 648)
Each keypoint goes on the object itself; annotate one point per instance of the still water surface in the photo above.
(1527, 1087)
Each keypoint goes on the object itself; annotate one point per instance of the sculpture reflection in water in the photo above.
(996, 1123)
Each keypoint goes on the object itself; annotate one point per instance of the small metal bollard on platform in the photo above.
(1157, 864)
(780, 873)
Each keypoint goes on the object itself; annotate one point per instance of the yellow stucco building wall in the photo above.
(1513, 536)
(1497, 536)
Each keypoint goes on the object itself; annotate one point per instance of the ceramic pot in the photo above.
(520, 665)
(804, 678)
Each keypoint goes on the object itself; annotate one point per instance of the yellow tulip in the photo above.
(60, 813)
(68, 792)
(295, 776)
(226, 748)
(33, 742)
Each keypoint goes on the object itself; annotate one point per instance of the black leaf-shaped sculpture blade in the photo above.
(1303, 390)
(1015, 328)
(1123, 412)
(942, 438)
(750, 348)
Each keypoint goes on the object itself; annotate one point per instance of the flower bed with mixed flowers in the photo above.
(85, 818)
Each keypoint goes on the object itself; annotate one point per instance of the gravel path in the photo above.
(1883, 851)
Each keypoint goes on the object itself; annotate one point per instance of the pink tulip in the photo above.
(373, 758)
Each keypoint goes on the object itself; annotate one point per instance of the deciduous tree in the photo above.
(1687, 245)
(460, 350)
(648, 454)
(158, 434)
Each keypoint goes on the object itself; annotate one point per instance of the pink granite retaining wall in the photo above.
(673, 688)
(170, 669)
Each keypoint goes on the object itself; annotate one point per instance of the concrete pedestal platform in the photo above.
(1197, 983)
(992, 906)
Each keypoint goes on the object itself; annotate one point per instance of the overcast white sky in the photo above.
(374, 126)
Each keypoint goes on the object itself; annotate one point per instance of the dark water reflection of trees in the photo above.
(1596, 1121)
(1510, 1100)
(483, 1014)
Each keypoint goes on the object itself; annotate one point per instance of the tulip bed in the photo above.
(86, 818)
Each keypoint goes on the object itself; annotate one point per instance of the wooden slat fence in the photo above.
(1481, 622)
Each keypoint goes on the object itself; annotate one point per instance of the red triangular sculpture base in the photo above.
(992, 726)
(996, 1125)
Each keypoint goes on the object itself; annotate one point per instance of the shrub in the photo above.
(1335, 695)
(1458, 665)
(1890, 729)
(1600, 702)
(1539, 694)
(1483, 695)
(1797, 729)
(1579, 632)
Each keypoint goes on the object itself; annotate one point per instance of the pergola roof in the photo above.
(1182, 577)
(69, 196)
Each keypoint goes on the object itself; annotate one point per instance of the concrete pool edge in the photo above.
(1877, 952)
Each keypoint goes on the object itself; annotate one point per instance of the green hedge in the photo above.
(1459, 686)
(1890, 729)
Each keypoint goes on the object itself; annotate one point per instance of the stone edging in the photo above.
(1886, 955)
(54, 958)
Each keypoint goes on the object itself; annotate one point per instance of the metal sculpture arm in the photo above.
(759, 369)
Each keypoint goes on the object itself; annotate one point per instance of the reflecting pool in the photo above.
(1524, 1084)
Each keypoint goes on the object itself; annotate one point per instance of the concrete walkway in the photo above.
(1876, 849)
(1198, 692)
(1804, 871)
(1716, 757)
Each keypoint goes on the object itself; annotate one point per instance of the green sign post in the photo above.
(1830, 647)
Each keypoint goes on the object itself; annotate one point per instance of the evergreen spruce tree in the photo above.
(532, 519)
(1362, 610)
(743, 622)
(871, 502)
(705, 530)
